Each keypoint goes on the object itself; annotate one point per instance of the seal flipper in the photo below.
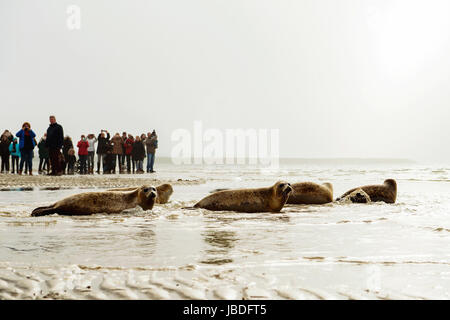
(219, 189)
(190, 208)
(43, 211)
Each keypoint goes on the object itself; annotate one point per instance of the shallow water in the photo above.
(333, 251)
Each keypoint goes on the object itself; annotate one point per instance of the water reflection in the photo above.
(220, 243)
(230, 217)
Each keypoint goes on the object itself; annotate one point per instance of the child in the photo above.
(71, 159)
(43, 155)
(15, 154)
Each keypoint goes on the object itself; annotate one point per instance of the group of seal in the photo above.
(274, 198)
(271, 199)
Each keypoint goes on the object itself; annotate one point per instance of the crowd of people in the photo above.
(58, 154)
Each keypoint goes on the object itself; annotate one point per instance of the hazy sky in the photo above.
(338, 78)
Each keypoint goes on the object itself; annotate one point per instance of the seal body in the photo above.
(386, 192)
(357, 196)
(311, 193)
(163, 191)
(270, 199)
(101, 202)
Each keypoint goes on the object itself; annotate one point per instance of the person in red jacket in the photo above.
(83, 146)
(128, 146)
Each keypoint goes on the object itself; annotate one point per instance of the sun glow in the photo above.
(408, 35)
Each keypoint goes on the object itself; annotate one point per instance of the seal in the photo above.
(311, 193)
(163, 191)
(270, 199)
(357, 196)
(101, 202)
(386, 192)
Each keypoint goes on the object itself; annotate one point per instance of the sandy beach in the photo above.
(44, 182)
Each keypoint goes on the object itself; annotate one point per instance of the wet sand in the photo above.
(14, 182)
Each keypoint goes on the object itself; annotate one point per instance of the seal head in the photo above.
(357, 196)
(164, 192)
(146, 197)
(281, 191)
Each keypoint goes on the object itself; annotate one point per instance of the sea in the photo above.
(330, 251)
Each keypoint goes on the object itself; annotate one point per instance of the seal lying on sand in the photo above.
(386, 192)
(311, 193)
(357, 196)
(270, 199)
(101, 202)
(163, 191)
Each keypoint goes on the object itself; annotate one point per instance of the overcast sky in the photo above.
(337, 78)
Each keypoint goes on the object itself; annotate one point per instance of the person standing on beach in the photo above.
(128, 146)
(117, 151)
(102, 149)
(138, 154)
(43, 155)
(91, 139)
(123, 156)
(67, 145)
(83, 146)
(54, 142)
(109, 161)
(26, 146)
(5, 141)
(71, 159)
(15, 154)
(151, 143)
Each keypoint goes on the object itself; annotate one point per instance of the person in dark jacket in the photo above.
(123, 156)
(102, 148)
(138, 154)
(5, 140)
(67, 145)
(109, 162)
(54, 141)
(43, 155)
(26, 145)
(71, 159)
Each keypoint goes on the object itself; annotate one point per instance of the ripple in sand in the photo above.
(226, 293)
